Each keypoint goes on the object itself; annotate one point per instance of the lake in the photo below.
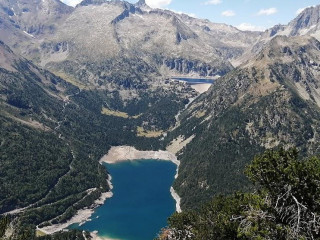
(141, 202)
(194, 80)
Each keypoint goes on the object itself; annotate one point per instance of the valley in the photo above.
(138, 83)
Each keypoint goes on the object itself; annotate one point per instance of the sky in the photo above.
(253, 15)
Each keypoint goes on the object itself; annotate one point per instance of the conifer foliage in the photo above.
(285, 204)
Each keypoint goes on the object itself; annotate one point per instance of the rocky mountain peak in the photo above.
(141, 3)
(34, 17)
(307, 21)
(20, 7)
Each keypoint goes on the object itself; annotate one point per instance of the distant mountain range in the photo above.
(68, 40)
(109, 34)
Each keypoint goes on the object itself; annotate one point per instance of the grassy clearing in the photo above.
(71, 80)
(200, 114)
(148, 134)
(40, 233)
(109, 112)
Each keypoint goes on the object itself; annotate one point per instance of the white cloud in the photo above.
(191, 15)
(158, 3)
(212, 2)
(179, 12)
(267, 12)
(250, 27)
(228, 13)
(72, 3)
(300, 10)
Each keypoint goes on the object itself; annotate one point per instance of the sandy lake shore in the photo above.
(82, 216)
(124, 153)
(201, 88)
(177, 198)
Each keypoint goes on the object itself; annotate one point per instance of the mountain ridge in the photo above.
(269, 102)
(306, 23)
(118, 41)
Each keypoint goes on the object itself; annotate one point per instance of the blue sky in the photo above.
(244, 14)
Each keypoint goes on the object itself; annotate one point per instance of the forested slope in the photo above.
(270, 101)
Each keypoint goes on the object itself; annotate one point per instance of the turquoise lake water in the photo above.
(141, 202)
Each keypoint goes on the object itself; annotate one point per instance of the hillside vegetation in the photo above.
(284, 205)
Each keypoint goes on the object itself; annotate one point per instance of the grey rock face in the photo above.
(35, 17)
(96, 2)
(141, 3)
(306, 23)
(185, 66)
